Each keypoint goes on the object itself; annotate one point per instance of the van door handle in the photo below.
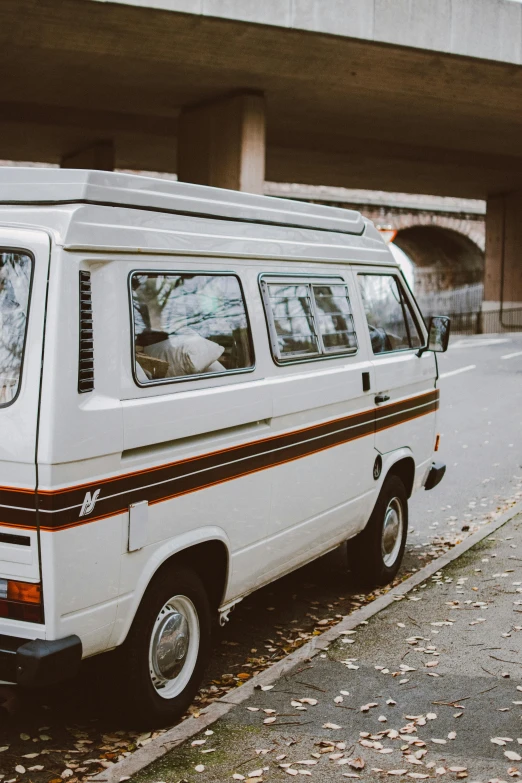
(381, 398)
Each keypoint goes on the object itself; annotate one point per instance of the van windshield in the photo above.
(15, 280)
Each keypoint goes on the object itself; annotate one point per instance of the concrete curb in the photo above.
(192, 726)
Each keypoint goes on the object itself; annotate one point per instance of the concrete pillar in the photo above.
(223, 143)
(100, 156)
(503, 269)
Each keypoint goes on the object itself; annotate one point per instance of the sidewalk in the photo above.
(418, 692)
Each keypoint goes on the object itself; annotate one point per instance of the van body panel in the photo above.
(77, 427)
(81, 568)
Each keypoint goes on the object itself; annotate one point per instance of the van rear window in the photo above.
(188, 325)
(15, 283)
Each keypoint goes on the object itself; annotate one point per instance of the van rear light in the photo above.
(86, 348)
(21, 601)
(437, 443)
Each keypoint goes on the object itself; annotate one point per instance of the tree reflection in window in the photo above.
(189, 324)
(15, 280)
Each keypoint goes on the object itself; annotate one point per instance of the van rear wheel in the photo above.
(167, 649)
(375, 554)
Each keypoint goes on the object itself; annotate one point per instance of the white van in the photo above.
(200, 390)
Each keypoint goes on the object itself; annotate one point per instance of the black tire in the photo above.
(142, 701)
(366, 559)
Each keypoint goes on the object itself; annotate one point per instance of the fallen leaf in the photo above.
(329, 726)
(357, 763)
(397, 771)
(20, 769)
(512, 756)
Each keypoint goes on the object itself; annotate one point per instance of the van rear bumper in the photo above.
(39, 662)
(435, 476)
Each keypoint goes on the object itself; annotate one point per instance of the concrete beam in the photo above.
(503, 273)
(100, 156)
(488, 29)
(223, 143)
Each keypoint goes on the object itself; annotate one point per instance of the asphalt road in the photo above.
(480, 421)
(481, 428)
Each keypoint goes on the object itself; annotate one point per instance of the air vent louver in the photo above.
(86, 353)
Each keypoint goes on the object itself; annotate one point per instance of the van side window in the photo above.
(391, 322)
(307, 320)
(188, 325)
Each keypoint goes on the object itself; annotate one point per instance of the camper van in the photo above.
(200, 391)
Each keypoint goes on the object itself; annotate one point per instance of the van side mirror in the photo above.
(438, 333)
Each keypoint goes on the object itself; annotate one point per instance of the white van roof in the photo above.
(53, 186)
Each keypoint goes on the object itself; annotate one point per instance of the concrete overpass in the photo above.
(380, 94)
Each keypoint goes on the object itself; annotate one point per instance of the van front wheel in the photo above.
(375, 554)
(167, 649)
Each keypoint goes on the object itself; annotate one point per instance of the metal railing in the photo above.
(464, 299)
(487, 321)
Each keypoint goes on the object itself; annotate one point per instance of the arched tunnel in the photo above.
(443, 258)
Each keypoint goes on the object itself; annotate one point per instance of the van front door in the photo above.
(24, 265)
(404, 382)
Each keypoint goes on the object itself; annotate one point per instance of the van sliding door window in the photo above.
(15, 284)
(188, 326)
(308, 319)
(391, 322)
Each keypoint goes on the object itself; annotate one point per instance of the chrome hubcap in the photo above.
(392, 531)
(174, 646)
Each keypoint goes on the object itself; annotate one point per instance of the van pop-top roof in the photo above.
(41, 186)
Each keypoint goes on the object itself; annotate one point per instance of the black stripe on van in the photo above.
(60, 509)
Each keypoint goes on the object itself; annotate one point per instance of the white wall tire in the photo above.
(375, 555)
(167, 649)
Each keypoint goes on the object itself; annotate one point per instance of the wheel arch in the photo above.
(208, 554)
(404, 468)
